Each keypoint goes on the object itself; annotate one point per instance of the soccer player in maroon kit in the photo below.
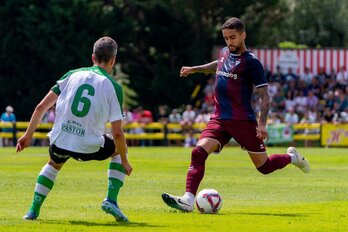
(237, 72)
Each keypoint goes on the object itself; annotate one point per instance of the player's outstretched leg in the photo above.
(109, 206)
(298, 160)
(44, 184)
(180, 203)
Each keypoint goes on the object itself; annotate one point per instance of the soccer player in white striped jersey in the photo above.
(86, 99)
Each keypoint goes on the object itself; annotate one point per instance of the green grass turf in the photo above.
(287, 200)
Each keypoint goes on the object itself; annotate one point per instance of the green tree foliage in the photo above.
(321, 22)
(42, 39)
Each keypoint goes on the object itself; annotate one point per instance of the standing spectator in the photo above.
(8, 117)
(190, 140)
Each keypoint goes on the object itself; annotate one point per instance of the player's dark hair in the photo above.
(234, 23)
(104, 49)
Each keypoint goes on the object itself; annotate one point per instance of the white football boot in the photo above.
(301, 162)
(179, 203)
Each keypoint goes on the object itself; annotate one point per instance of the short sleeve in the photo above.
(257, 72)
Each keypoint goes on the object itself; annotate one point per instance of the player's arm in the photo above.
(265, 106)
(47, 102)
(204, 68)
(120, 144)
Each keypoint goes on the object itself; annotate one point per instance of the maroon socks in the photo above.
(196, 170)
(274, 162)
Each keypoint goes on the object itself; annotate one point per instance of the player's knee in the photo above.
(199, 155)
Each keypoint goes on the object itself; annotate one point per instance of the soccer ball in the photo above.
(208, 201)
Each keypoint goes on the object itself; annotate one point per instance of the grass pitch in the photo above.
(286, 200)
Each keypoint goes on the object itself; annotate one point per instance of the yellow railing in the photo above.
(158, 131)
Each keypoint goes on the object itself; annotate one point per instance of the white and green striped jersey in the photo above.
(88, 99)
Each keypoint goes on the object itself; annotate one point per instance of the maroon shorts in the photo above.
(244, 132)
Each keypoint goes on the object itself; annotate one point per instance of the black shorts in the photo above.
(59, 155)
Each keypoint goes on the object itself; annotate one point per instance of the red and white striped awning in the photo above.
(328, 58)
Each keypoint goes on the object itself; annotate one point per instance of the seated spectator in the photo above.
(291, 76)
(300, 103)
(128, 116)
(328, 116)
(273, 88)
(312, 100)
(316, 88)
(307, 76)
(188, 117)
(174, 116)
(278, 76)
(341, 100)
(208, 100)
(342, 77)
(329, 100)
(203, 117)
(162, 114)
(274, 119)
(278, 102)
(289, 101)
(210, 86)
(291, 117)
(322, 77)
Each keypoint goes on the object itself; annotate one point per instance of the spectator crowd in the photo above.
(305, 98)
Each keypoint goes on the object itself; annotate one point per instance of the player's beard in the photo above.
(236, 49)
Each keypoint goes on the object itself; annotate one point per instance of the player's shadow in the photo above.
(118, 224)
(111, 224)
(276, 214)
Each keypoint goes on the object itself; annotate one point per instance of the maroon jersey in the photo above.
(236, 76)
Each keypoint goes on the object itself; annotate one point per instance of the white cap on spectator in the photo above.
(9, 109)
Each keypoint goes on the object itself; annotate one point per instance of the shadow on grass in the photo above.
(87, 223)
(276, 214)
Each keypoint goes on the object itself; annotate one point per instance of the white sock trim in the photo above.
(49, 172)
(39, 188)
(116, 174)
(189, 197)
(294, 158)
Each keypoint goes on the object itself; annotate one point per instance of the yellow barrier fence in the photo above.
(155, 131)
